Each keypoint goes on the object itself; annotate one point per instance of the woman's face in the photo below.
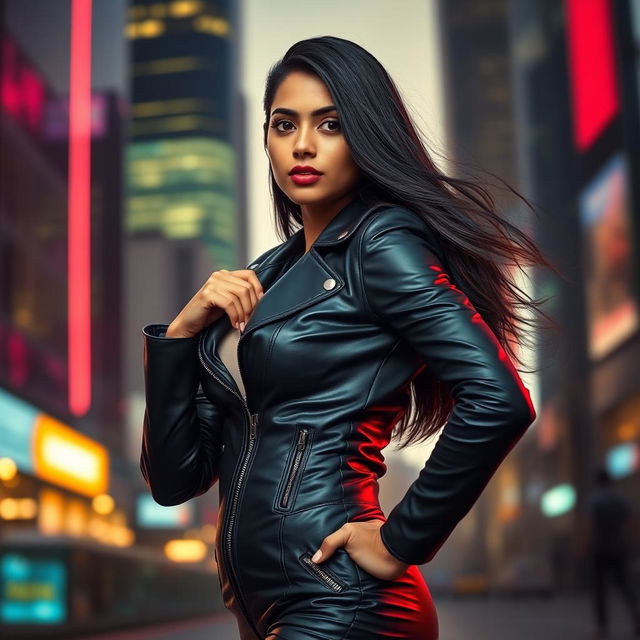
(297, 136)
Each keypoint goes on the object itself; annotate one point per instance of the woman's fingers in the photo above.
(245, 290)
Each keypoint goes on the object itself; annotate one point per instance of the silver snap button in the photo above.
(253, 266)
(329, 283)
(343, 234)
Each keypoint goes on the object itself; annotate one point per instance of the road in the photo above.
(566, 617)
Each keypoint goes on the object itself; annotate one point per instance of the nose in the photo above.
(304, 143)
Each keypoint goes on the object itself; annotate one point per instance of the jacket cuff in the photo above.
(158, 330)
(392, 547)
(171, 369)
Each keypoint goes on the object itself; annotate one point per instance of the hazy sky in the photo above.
(401, 34)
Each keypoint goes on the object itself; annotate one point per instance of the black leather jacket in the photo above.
(326, 359)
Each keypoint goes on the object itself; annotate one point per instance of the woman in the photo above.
(341, 329)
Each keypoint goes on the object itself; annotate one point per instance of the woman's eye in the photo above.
(276, 125)
(334, 122)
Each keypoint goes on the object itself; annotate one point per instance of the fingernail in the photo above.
(316, 556)
(242, 326)
(260, 295)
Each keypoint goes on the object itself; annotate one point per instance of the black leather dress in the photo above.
(326, 360)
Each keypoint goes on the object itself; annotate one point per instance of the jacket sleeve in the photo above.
(410, 293)
(181, 428)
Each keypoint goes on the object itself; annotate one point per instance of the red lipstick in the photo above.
(304, 174)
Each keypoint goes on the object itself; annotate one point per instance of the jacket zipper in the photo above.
(231, 512)
(295, 466)
(321, 573)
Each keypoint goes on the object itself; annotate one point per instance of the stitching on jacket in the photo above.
(324, 504)
(355, 615)
(366, 299)
(359, 261)
(346, 513)
(283, 563)
(272, 340)
(380, 366)
(362, 283)
(391, 227)
(340, 469)
(344, 507)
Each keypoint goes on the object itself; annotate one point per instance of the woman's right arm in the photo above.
(182, 429)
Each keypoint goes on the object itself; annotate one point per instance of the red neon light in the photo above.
(592, 69)
(9, 89)
(22, 92)
(79, 210)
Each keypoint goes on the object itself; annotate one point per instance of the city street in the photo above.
(360, 277)
(559, 618)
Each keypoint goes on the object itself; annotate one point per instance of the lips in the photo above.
(304, 170)
(305, 178)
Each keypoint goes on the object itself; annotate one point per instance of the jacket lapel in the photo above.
(266, 271)
(307, 281)
(310, 279)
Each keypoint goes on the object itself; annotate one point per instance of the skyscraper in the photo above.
(182, 155)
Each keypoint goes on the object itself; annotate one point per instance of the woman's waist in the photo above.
(256, 519)
(300, 482)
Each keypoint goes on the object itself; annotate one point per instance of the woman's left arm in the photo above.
(408, 290)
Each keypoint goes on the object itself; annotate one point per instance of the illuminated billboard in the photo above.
(51, 450)
(612, 311)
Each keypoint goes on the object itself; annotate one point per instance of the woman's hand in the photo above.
(363, 543)
(235, 293)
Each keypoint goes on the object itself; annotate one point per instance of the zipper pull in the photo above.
(252, 424)
(302, 439)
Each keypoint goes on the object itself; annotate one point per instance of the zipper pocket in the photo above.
(295, 467)
(323, 574)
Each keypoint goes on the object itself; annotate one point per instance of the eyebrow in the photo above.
(292, 112)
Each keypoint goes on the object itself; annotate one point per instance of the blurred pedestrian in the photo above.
(608, 520)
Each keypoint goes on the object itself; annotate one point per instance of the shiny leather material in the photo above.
(326, 359)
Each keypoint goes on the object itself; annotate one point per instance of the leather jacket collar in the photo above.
(309, 280)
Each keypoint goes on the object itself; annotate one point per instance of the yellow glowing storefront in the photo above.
(54, 479)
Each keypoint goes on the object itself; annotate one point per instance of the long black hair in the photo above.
(479, 246)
